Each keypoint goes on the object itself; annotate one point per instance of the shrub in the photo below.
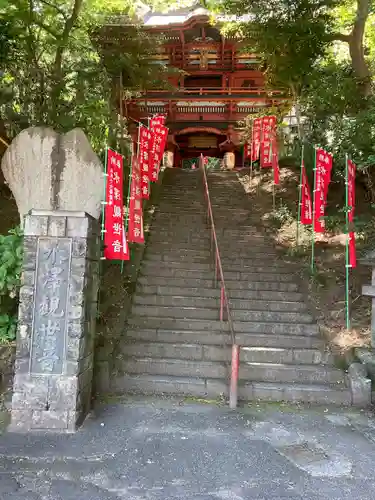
(10, 273)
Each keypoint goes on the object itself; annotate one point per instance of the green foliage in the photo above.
(57, 72)
(281, 215)
(8, 328)
(10, 274)
(289, 35)
(337, 119)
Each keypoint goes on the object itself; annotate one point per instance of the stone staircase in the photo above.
(175, 343)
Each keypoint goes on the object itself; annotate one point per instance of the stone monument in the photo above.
(57, 181)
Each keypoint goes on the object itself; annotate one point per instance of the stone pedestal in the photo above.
(229, 161)
(57, 316)
(169, 159)
(369, 290)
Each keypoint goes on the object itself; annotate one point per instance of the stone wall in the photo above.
(57, 319)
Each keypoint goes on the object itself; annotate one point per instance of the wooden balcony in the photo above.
(215, 92)
(211, 104)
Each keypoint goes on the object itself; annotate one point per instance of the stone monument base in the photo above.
(57, 317)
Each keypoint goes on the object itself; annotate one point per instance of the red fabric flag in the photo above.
(322, 180)
(256, 138)
(159, 143)
(158, 120)
(144, 153)
(268, 134)
(351, 206)
(306, 205)
(115, 245)
(135, 216)
(275, 162)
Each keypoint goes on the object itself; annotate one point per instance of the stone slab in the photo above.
(176, 449)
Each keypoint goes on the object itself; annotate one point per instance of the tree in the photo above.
(54, 75)
(307, 27)
(289, 35)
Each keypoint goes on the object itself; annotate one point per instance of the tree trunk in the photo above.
(58, 77)
(297, 111)
(356, 47)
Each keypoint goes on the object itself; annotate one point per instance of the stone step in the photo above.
(206, 275)
(174, 241)
(243, 247)
(241, 254)
(209, 283)
(223, 353)
(256, 391)
(210, 266)
(191, 256)
(167, 251)
(220, 338)
(175, 260)
(185, 265)
(315, 394)
(187, 227)
(254, 372)
(237, 315)
(181, 300)
(168, 323)
(176, 367)
(179, 230)
(215, 292)
(290, 374)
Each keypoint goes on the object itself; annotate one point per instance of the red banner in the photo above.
(144, 154)
(275, 162)
(135, 216)
(322, 180)
(351, 206)
(115, 245)
(268, 134)
(306, 205)
(256, 138)
(158, 147)
(157, 120)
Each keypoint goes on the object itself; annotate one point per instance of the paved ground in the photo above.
(173, 450)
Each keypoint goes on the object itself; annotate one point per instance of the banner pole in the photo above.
(300, 196)
(103, 219)
(347, 295)
(104, 192)
(273, 182)
(251, 154)
(313, 219)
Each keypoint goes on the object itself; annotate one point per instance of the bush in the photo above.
(10, 273)
(281, 215)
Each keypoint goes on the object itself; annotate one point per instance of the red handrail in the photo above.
(224, 302)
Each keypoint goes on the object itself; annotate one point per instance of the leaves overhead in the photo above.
(53, 74)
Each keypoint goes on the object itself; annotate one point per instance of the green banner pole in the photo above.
(300, 196)
(347, 297)
(313, 220)
(104, 192)
(273, 181)
(103, 218)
